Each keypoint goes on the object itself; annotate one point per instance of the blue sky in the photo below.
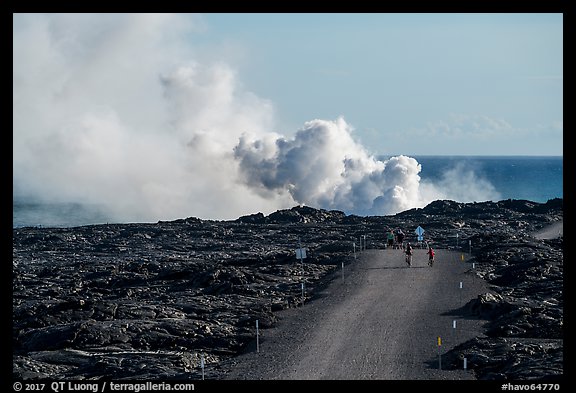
(419, 84)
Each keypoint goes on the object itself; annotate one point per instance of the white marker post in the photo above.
(202, 365)
(465, 363)
(460, 292)
(302, 293)
(354, 245)
(454, 331)
(470, 247)
(257, 338)
(342, 271)
(364, 242)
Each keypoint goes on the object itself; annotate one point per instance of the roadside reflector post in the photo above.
(465, 363)
(257, 338)
(470, 246)
(354, 245)
(342, 271)
(439, 355)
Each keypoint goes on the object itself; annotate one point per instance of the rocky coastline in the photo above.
(150, 300)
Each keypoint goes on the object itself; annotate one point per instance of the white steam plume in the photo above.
(459, 183)
(117, 110)
(119, 114)
(323, 166)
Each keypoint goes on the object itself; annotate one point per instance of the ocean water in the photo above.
(536, 179)
(531, 178)
(29, 212)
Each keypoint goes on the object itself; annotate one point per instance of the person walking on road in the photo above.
(400, 237)
(430, 256)
(409, 254)
(390, 238)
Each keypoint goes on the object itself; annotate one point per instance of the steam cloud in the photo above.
(118, 111)
(323, 166)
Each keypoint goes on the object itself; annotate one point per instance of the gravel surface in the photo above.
(381, 322)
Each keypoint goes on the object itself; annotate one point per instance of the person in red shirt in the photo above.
(430, 256)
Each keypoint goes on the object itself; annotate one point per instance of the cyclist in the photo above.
(409, 254)
(430, 256)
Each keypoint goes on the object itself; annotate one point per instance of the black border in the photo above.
(452, 6)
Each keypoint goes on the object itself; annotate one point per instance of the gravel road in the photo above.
(380, 322)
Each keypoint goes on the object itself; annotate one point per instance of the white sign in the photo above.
(300, 253)
(419, 231)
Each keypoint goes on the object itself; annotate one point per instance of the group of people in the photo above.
(430, 253)
(395, 240)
